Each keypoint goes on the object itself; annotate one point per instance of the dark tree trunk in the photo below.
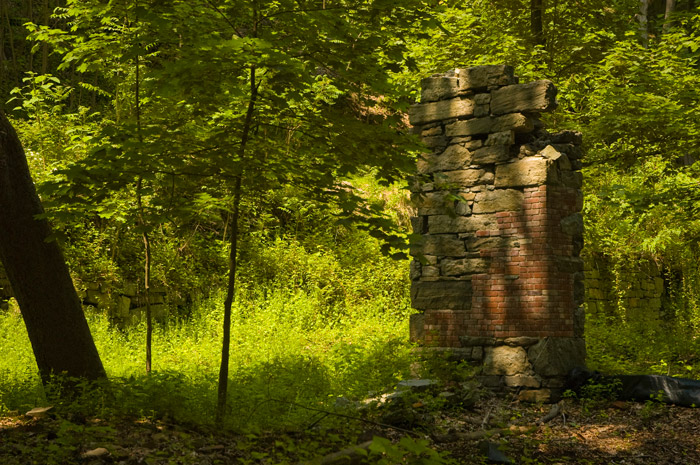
(39, 276)
(536, 24)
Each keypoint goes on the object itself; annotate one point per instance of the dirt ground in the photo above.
(580, 432)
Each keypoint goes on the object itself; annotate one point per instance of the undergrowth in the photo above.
(298, 340)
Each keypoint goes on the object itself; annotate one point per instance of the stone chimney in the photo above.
(497, 275)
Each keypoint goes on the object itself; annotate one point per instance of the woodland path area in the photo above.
(585, 432)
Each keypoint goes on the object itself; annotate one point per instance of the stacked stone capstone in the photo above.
(497, 276)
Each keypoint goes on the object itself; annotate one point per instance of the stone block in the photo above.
(512, 122)
(130, 289)
(475, 244)
(528, 171)
(447, 245)
(572, 224)
(505, 360)
(567, 137)
(454, 157)
(434, 203)
(491, 154)
(434, 131)
(482, 99)
(462, 208)
(416, 325)
(439, 88)
(532, 97)
(445, 224)
(498, 200)
(414, 270)
(429, 271)
(481, 110)
(422, 113)
(479, 77)
(156, 298)
(528, 381)
(521, 341)
(462, 178)
(490, 381)
(561, 160)
(95, 297)
(501, 138)
(477, 353)
(158, 311)
(464, 266)
(435, 143)
(572, 179)
(536, 396)
(419, 224)
(123, 306)
(476, 341)
(441, 295)
(557, 356)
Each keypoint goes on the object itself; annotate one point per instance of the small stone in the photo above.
(417, 385)
(39, 412)
(95, 453)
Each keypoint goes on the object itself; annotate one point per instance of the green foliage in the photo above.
(290, 346)
(407, 450)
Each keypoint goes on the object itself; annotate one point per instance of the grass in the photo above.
(288, 350)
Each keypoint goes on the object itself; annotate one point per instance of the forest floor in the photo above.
(582, 432)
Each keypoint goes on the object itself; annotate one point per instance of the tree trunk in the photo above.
(231, 288)
(643, 22)
(536, 24)
(39, 276)
(670, 9)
